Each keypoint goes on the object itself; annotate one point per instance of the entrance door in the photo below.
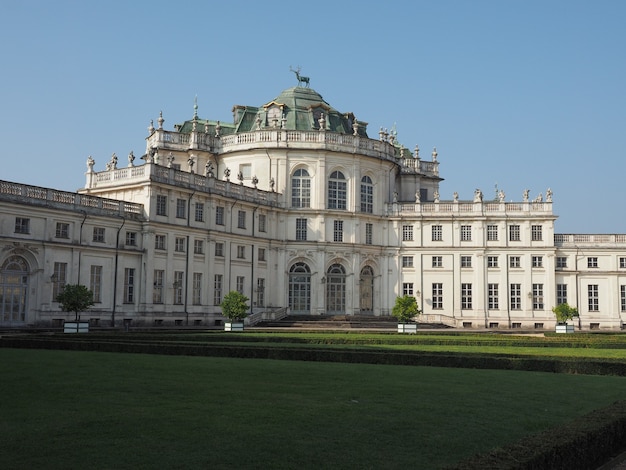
(300, 289)
(336, 290)
(13, 290)
(367, 290)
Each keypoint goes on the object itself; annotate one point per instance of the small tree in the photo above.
(405, 308)
(564, 312)
(75, 298)
(234, 306)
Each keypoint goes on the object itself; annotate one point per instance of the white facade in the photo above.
(296, 207)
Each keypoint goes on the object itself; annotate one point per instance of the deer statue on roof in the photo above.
(300, 78)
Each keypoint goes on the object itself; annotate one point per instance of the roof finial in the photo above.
(195, 107)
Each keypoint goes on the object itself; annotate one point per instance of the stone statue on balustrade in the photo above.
(501, 196)
(549, 195)
(436, 196)
(131, 159)
(455, 195)
(208, 169)
(90, 163)
(525, 195)
(478, 195)
(227, 174)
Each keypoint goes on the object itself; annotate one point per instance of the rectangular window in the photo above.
(261, 254)
(407, 261)
(407, 288)
(181, 206)
(59, 278)
(179, 244)
(197, 289)
(129, 285)
(161, 205)
(241, 219)
(592, 292)
(159, 242)
(537, 261)
(514, 233)
(407, 233)
(466, 296)
(437, 295)
(219, 249)
(198, 247)
(178, 287)
(157, 291)
(466, 233)
(241, 252)
(95, 283)
(262, 223)
(199, 212)
(131, 238)
(260, 292)
(98, 234)
(623, 297)
(217, 289)
(301, 229)
(514, 262)
(516, 297)
(437, 233)
(240, 284)
(63, 230)
(22, 225)
(437, 261)
(561, 262)
(537, 296)
(536, 233)
(492, 233)
(245, 169)
(592, 262)
(466, 261)
(338, 231)
(369, 234)
(622, 262)
(219, 215)
(561, 294)
(492, 296)
(492, 261)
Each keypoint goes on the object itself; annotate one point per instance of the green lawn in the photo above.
(61, 409)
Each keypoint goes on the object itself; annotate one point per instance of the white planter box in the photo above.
(407, 327)
(564, 328)
(233, 326)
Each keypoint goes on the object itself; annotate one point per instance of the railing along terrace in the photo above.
(35, 195)
(573, 240)
(476, 208)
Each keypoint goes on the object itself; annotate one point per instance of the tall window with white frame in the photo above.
(492, 296)
(178, 287)
(179, 244)
(241, 219)
(129, 285)
(367, 195)
(514, 233)
(219, 215)
(301, 229)
(62, 230)
(337, 191)
(217, 289)
(199, 212)
(516, 297)
(515, 262)
(59, 279)
(161, 204)
(622, 262)
(260, 292)
(492, 233)
(537, 296)
(492, 261)
(466, 233)
(437, 261)
(198, 247)
(436, 233)
(407, 233)
(98, 234)
(197, 289)
(537, 261)
(437, 297)
(95, 283)
(131, 238)
(301, 188)
(593, 297)
(240, 284)
(338, 231)
(407, 261)
(219, 249)
(157, 282)
(407, 288)
(536, 234)
(561, 262)
(369, 233)
(181, 206)
(262, 223)
(159, 242)
(622, 291)
(466, 296)
(561, 294)
(466, 261)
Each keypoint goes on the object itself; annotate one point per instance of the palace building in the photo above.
(304, 210)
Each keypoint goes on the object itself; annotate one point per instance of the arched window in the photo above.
(367, 195)
(301, 189)
(336, 289)
(337, 191)
(13, 290)
(300, 288)
(367, 289)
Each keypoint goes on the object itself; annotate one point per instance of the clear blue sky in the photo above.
(522, 94)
